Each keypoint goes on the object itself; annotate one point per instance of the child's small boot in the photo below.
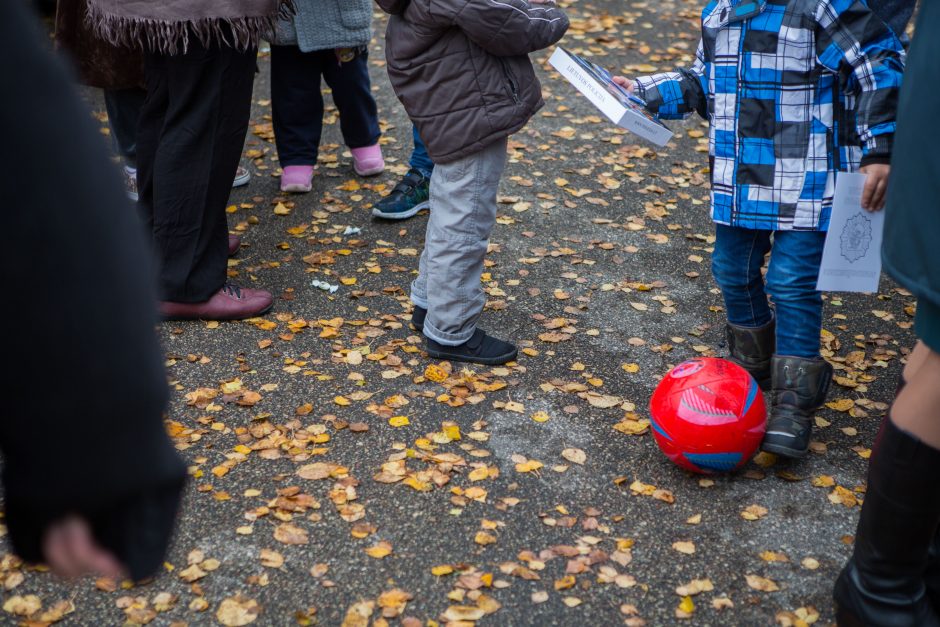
(479, 349)
(418, 315)
(883, 582)
(799, 389)
(752, 348)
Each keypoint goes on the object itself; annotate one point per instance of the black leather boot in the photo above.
(883, 582)
(752, 348)
(799, 389)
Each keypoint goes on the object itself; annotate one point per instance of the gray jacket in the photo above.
(327, 24)
(461, 67)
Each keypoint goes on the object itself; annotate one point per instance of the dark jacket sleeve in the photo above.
(508, 28)
(81, 425)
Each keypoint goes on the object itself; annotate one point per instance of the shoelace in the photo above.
(232, 290)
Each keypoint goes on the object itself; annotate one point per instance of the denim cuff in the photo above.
(447, 339)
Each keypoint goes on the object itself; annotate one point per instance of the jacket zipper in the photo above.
(509, 79)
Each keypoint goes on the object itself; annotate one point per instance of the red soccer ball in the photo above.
(708, 415)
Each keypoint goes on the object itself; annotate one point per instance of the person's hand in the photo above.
(625, 82)
(876, 186)
(71, 551)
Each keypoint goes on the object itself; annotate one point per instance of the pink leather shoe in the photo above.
(229, 303)
(297, 178)
(368, 161)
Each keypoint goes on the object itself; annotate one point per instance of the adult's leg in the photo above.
(208, 106)
(124, 106)
(358, 113)
(463, 212)
(420, 160)
(149, 131)
(297, 104)
(892, 577)
(917, 408)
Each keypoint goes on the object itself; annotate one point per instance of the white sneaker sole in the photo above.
(370, 171)
(296, 189)
(402, 214)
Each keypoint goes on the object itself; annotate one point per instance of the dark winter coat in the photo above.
(912, 221)
(81, 426)
(98, 62)
(461, 67)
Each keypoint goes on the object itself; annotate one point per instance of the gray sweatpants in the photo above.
(463, 212)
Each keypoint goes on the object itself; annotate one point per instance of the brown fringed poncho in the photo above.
(167, 26)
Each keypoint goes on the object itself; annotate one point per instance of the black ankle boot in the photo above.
(883, 581)
(418, 314)
(752, 348)
(799, 389)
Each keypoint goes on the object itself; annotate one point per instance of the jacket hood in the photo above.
(394, 7)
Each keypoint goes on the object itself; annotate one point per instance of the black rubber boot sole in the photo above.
(786, 451)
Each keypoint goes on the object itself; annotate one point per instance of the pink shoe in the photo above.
(368, 161)
(297, 178)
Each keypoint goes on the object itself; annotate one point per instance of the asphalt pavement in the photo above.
(599, 269)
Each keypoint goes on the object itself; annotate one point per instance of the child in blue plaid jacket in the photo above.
(794, 91)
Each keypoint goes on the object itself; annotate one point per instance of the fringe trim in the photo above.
(173, 37)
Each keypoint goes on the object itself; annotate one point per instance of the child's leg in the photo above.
(297, 104)
(791, 281)
(419, 287)
(800, 378)
(463, 212)
(736, 265)
(358, 114)
(420, 160)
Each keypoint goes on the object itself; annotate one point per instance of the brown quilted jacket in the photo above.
(461, 67)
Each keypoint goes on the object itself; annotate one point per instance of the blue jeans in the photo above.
(420, 160)
(791, 283)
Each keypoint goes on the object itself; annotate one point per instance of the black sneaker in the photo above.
(479, 349)
(418, 315)
(407, 198)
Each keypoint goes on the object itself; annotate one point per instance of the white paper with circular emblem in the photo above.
(851, 259)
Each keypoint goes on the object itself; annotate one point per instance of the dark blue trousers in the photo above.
(297, 103)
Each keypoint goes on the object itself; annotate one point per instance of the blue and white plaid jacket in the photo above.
(766, 75)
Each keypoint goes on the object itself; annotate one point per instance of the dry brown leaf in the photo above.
(574, 455)
(290, 534)
(237, 611)
(761, 583)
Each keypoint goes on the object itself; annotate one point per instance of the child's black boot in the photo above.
(883, 582)
(799, 389)
(418, 314)
(751, 348)
(480, 349)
